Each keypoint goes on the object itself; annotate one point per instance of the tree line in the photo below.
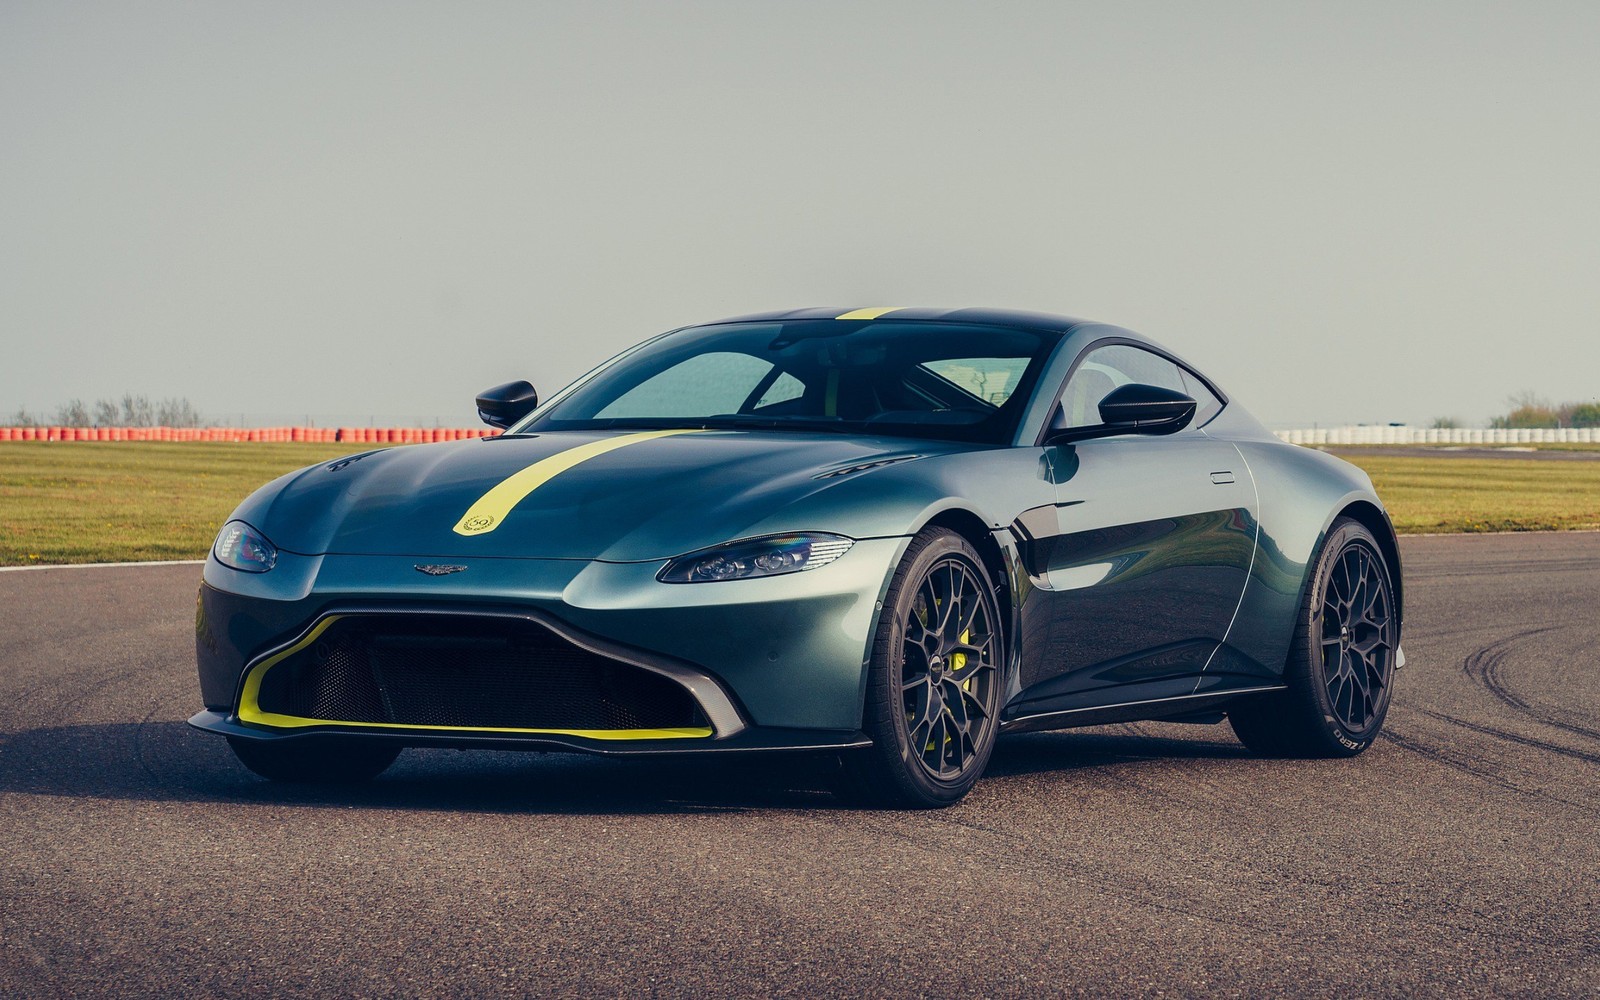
(1529, 410)
(129, 411)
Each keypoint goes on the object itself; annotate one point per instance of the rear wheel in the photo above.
(1340, 671)
(933, 688)
(315, 760)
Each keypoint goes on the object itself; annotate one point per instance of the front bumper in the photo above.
(783, 659)
(748, 740)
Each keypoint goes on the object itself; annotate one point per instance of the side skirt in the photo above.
(1150, 710)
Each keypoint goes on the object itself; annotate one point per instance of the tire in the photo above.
(933, 690)
(313, 760)
(1340, 671)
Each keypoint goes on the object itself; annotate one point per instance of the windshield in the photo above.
(955, 381)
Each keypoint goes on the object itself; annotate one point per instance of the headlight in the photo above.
(771, 556)
(242, 547)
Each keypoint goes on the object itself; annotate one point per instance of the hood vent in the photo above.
(864, 466)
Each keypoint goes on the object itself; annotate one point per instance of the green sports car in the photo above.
(886, 535)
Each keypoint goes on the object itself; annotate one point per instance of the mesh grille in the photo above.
(485, 673)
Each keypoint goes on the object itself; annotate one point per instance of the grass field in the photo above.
(114, 502)
(1444, 494)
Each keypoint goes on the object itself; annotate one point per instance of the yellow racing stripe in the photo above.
(490, 509)
(867, 313)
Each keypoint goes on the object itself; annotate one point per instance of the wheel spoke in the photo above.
(972, 650)
(916, 632)
(1352, 694)
(974, 667)
(974, 706)
(1342, 584)
(955, 706)
(1358, 671)
(1336, 686)
(947, 601)
(927, 606)
(1373, 663)
(969, 616)
(1373, 642)
(920, 710)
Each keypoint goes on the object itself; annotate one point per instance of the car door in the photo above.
(1140, 573)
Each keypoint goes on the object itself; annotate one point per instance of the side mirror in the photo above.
(504, 405)
(1133, 409)
(1146, 409)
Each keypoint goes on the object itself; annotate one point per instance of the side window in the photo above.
(992, 380)
(704, 384)
(1207, 405)
(1105, 368)
(784, 388)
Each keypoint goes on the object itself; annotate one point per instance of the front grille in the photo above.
(468, 672)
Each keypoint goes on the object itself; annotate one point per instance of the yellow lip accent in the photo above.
(490, 509)
(250, 709)
(867, 313)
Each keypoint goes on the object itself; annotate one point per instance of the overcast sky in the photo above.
(1344, 212)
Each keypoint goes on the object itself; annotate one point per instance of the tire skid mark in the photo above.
(77, 686)
(1134, 889)
(1155, 893)
(1135, 731)
(1139, 890)
(1452, 632)
(1475, 767)
(1502, 567)
(1527, 741)
(81, 691)
(1154, 790)
(160, 781)
(1484, 666)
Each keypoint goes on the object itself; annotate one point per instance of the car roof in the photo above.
(990, 317)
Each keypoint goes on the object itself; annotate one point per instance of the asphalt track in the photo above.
(1458, 857)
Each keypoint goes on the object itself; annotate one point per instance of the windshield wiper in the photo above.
(780, 424)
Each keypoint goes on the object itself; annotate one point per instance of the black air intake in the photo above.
(469, 672)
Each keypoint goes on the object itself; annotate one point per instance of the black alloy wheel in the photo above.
(1339, 676)
(1357, 637)
(933, 692)
(948, 670)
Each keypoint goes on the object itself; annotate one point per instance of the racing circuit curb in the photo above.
(106, 565)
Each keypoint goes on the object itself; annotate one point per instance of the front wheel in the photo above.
(933, 687)
(315, 760)
(1340, 672)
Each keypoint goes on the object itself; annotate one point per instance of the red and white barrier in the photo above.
(267, 435)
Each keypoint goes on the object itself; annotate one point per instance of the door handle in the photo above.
(1222, 478)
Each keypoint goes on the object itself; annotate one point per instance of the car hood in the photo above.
(614, 495)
